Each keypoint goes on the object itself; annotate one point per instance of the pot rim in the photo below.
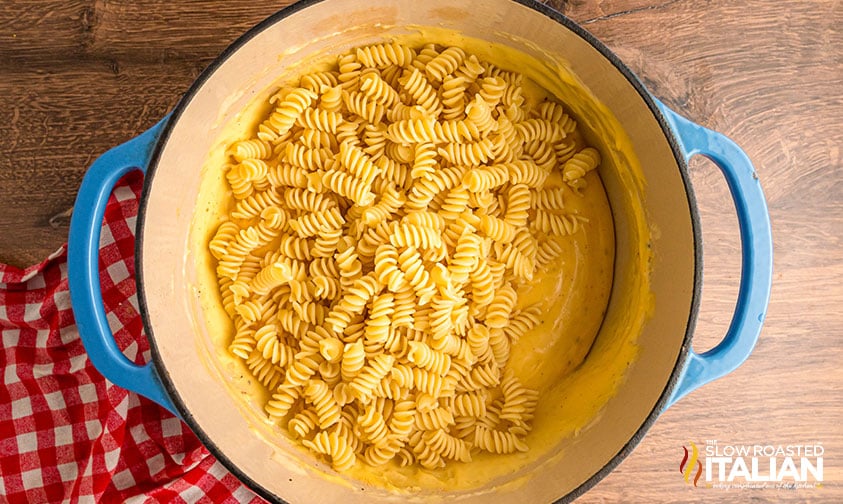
(540, 8)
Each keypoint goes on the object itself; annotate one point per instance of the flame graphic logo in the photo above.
(689, 461)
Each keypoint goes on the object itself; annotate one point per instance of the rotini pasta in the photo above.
(375, 87)
(383, 55)
(319, 395)
(385, 214)
(266, 373)
(253, 148)
(422, 92)
(445, 63)
(288, 109)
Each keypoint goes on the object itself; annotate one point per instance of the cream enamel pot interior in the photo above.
(661, 254)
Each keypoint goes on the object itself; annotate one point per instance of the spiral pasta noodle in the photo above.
(288, 109)
(422, 92)
(384, 55)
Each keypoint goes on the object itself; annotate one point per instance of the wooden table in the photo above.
(80, 76)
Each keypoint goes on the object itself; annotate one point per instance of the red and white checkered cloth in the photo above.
(66, 433)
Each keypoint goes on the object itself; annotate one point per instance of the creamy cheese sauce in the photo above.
(574, 375)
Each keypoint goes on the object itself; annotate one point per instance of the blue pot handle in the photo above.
(83, 267)
(756, 254)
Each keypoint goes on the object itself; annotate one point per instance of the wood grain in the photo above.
(157, 30)
(77, 77)
(59, 120)
(31, 30)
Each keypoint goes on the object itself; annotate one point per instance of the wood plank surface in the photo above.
(77, 77)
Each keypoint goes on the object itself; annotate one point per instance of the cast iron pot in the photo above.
(665, 369)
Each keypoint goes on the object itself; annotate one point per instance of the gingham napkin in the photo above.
(66, 433)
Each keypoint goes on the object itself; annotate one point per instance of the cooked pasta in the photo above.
(384, 215)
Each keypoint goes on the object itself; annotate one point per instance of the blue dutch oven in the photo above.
(658, 257)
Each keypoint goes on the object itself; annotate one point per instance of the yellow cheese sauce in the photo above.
(574, 374)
